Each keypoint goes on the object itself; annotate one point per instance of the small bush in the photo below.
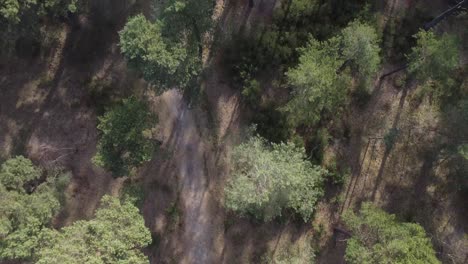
(390, 138)
(400, 81)
(123, 145)
(252, 92)
(134, 193)
(272, 124)
(361, 96)
(173, 212)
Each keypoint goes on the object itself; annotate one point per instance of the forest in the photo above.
(233, 131)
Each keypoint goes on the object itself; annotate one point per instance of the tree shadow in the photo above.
(387, 149)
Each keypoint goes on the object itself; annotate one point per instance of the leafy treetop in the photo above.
(160, 61)
(123, 145)
(116, 235)
(379, 238)
(269, 178)
(320, 81)
(13, 10)
(361, 47)
(434, 60)
(26, 206)
(318, 88)
(169, 50)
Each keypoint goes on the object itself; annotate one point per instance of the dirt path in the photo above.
(197, 233)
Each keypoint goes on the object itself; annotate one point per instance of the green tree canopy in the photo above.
(379, 238)
(320, 82)
(434, 60)
(116, 235)
(123, 145)
(269, 178)
(13, 10)
(16, 172)
(26, 206)
(361, 47)
(318, 88)
(160, 61)
(168, 51)
(187, 17)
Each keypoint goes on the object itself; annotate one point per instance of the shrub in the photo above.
(123, 145)
(390, 138)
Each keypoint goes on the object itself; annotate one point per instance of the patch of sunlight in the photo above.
(32, 94)
(7, 142)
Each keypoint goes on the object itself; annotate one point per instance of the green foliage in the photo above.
(174, 214)
(361, 47)
(13, 10)
(26, 206)
(160, 61)
(269, 178)
(379, 238)
(252, 92)
(116, 235)
(321, 81)
(134, 193)
(16, 172)
(390, 138)
(336, 176)
(434, 60)
(168, 51)
(318, 89)
(454, 124)
(275, 45)
(272, 124)
(187, 17)
(323, 19)
(463, 151)
(123, 145)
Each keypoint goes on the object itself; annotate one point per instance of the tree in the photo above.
(361, 47)
(267, 178)
(318, 89)
(160, 61)
(18, 171)
(26, 206)
(116, 235)
(379, 238)
(433, 60)
(169, 50)
(13, 10)
(320, 82)
(123, 144)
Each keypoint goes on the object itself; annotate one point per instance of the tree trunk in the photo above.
(394, 71)
(343, 66)
(444, 15)
(251, 3)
